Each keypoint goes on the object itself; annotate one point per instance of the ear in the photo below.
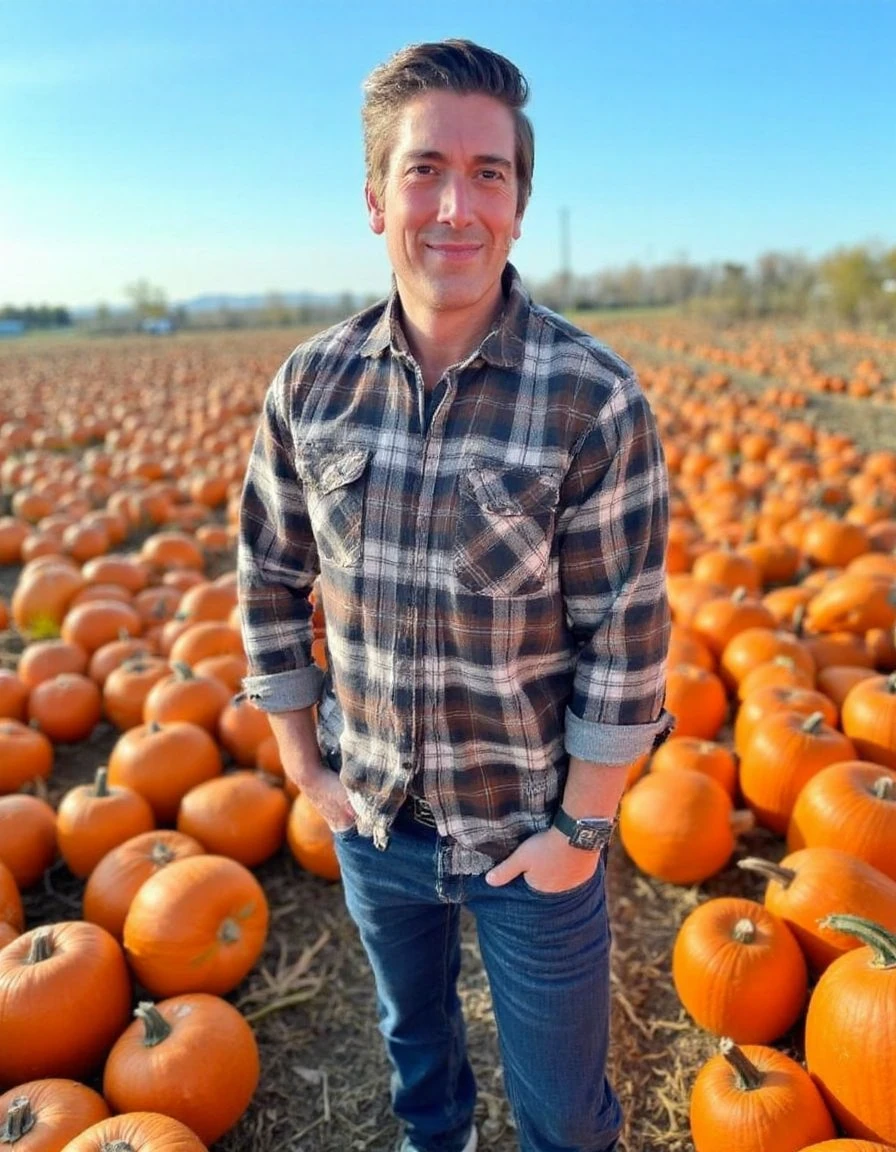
(375, 214)
(518, 226)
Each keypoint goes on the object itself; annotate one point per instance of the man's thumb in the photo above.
(501, 874)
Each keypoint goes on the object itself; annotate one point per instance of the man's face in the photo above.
(449, 206)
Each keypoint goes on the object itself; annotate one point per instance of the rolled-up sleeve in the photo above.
(276, 565)
(614, 529)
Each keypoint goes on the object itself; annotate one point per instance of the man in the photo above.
(480, 489)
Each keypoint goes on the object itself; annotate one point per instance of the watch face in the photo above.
(591, 834)
(585, 837)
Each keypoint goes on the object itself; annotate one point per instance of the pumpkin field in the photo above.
(172, 934)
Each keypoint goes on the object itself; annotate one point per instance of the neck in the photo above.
(439, 338)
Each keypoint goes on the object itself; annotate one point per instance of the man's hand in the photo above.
(325, 791)
(548, 862)
(302, 764)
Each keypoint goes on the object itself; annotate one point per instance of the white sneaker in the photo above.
(470, 1146)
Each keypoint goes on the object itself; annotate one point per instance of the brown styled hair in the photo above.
(448, 65)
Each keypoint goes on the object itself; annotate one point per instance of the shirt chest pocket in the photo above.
(505, 529)
(335, 483)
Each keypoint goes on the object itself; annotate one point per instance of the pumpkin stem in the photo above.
(812, 723)
(229, 932)
(41, 947)
(798, 620)
(161, 854)
(784, 876)
(117, 1146)
(101, 781)
(748, 1075)
(891, 683)
(19, 1120)
(881, 941)
(182, 671)
(883, 788)
(744, 931)
(156, 1027)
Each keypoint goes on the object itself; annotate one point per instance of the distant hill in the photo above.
(229, 302)
(221, 302)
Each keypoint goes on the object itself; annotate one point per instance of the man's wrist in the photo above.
(588, 833)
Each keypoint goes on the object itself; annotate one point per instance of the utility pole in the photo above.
(565, 261)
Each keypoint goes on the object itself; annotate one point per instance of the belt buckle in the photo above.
(422, 812)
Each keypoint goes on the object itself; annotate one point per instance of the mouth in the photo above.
(455, 251)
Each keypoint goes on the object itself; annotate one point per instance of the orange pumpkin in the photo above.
(94, 623)
(198, 925)
(137, 1132)
(845, 1051)
(679, 825)
(153, 1063)
(697, 700)
(73, 963)
(181, 695)
(112, 884)
(12, 910)
(781, 756)
(49, 1112)
(163, 762)
(850, 805)
(25, 755)
(753, 1099)
(241, 814)
(807, 885)
(868, 717)
(738, 970)
(67, 708)
(93, 818)
(310, 839)
(27, 837)
(43, 659)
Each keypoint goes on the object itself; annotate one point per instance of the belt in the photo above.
(419, 811)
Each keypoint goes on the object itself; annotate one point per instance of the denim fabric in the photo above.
(547, 961)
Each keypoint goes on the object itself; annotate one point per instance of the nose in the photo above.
(455, 201)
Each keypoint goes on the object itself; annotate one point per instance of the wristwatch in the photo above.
(590, 833)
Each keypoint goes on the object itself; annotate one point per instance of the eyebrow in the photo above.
(493, 161)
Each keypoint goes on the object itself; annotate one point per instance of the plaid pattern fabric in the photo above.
(490, 560)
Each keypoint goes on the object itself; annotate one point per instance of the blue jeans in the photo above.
(547, 961)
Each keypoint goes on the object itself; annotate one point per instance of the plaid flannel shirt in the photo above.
(491, 568)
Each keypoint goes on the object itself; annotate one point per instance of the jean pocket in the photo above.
(565, 893)
(335, 481)
(344, 834)
(505, 527)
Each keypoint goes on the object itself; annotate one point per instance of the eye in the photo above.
(491, 174)
(421, 170)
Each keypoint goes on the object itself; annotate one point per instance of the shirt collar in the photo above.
(503, 346)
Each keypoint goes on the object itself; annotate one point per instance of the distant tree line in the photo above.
(854, 286)
(42, 316)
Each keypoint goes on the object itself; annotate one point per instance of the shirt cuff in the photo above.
(285, 691)
(614, 743)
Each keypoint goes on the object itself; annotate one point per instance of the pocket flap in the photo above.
(336, 469)
(512, 491)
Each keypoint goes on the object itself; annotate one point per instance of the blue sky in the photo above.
(214, 145)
